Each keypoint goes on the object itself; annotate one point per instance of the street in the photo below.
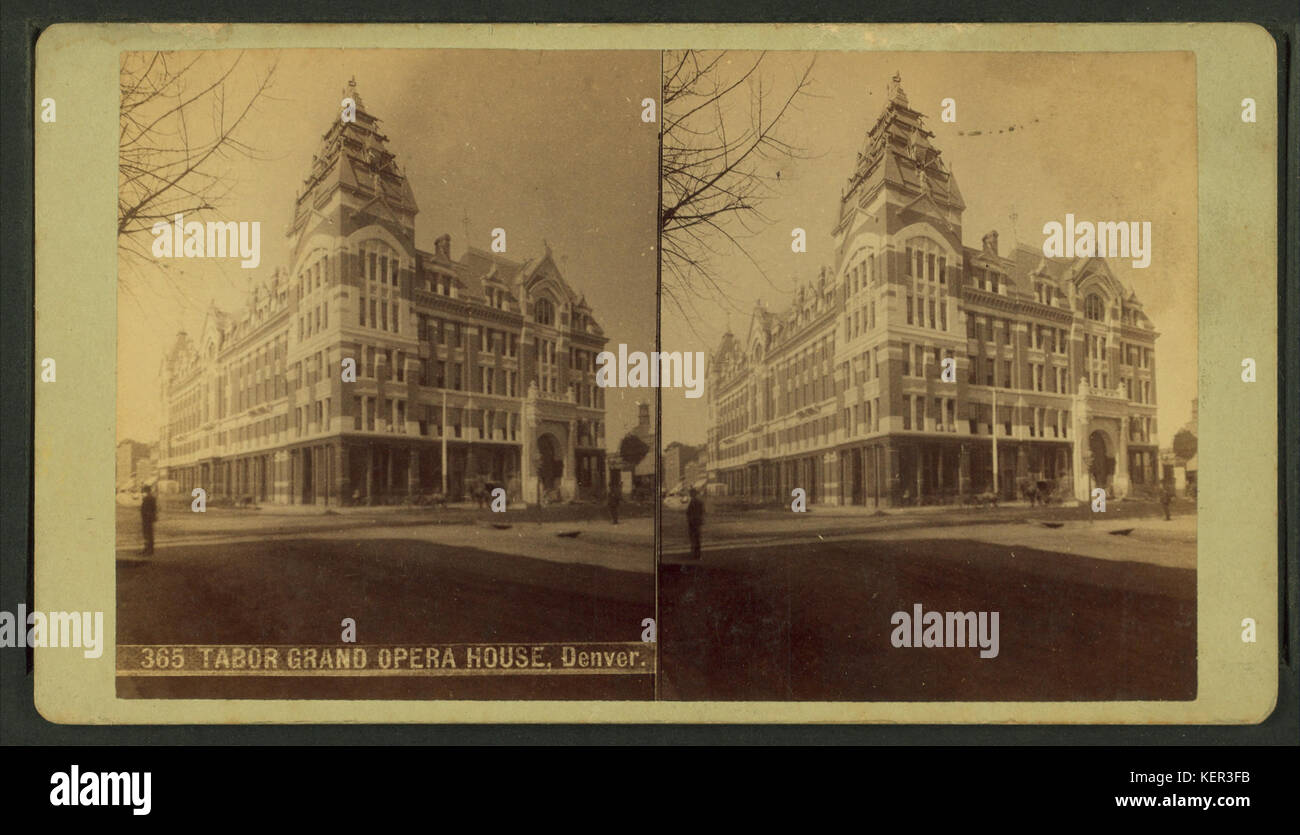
(789, 608)
(244, 577)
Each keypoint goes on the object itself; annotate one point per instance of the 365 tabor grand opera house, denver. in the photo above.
(477, 367)
(841, 394)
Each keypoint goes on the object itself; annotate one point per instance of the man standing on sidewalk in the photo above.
(694, 522)
(615, 496)
(148, 513)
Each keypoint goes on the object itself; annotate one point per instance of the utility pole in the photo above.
(443, 435)
(994, 427)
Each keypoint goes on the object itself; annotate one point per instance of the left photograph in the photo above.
(361, 448)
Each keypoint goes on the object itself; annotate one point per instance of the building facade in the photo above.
(371, 371)
(918, 370)
(677, 458)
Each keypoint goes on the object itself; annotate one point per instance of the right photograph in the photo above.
(946, 447)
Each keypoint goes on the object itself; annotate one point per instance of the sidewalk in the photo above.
(1157, 542)
(628, 546)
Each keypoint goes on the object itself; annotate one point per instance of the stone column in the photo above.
(891, 465)
(920, 470)
(1121, 461)
(569, 480)
(370, 472)
(342, 474)
(413, 471)
(963, 471)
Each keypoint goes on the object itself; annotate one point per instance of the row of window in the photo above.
(379, 263)
(318, 319)
(1141, 429)
(915, 356)
(926, 261)
(923, 414)
(1047, 378)
(256, 377)
(863, 367)
(989, 280)
(922, 305)
(860, 322)
(384, 314)
(856, 279)
(548, 373)
(313, 277)
(1138, 391)
(1138, 356)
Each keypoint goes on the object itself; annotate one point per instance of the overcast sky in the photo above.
(545, 145)
(1103, 136)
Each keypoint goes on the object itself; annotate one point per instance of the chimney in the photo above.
(442, 247)
(991, 242)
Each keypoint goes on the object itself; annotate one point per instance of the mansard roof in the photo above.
(897, 152)
(354, 155)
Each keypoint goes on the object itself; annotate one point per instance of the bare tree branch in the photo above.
(177, 134)
(723, 141)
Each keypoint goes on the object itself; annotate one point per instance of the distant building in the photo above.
(676, 458)
(130, 455)
(843, 394)
(1178, 471)
(696, 473)
(644, 474)
(370, 370)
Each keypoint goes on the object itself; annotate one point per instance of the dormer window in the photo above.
(1094, 308)
(544, 312)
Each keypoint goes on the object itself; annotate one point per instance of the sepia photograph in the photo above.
(580, 375)
(947, 448)
(361, 448)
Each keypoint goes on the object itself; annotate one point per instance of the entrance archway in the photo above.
(551, 464)
(1102, 467)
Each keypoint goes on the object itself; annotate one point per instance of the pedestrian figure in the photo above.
(148, 513)
(1166, 497)
(694, 522)
(615, 496)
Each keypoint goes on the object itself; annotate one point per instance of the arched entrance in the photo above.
(550, 462)
(1102, 466)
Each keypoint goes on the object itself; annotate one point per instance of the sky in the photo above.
(1104, 136)
(549, 146)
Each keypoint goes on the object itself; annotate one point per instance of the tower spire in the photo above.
(896, 93)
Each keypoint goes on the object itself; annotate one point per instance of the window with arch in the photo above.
(1094, 308)
(926, 260)
(544, 312)
(379, 262)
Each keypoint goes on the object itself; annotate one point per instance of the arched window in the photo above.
(925, 260)
(379, 262)
(1094, 308)
(545, 312)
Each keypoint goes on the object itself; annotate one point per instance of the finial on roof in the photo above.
(896, 89)
(351, 91)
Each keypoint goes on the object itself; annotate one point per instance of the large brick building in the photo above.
(476, 367)
(843, 394)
